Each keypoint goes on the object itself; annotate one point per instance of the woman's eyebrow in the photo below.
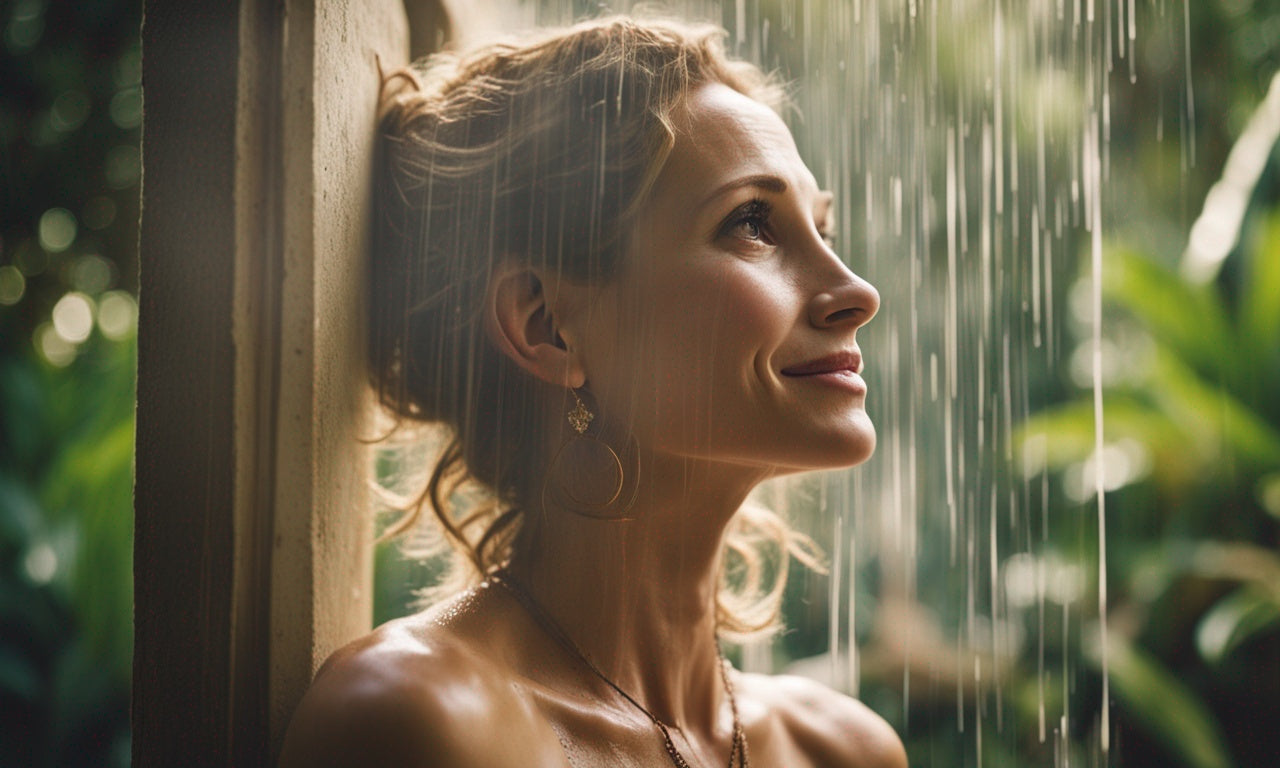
(765, 181)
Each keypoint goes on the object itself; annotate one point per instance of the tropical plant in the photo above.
(70, 108)
(1192, 466)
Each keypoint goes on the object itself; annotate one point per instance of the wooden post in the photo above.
(252, 552)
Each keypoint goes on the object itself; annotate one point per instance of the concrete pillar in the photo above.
(252, 544)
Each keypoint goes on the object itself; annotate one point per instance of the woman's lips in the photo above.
(843, 378)
(841, 361)
(840, 370)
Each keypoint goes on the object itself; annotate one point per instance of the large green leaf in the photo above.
(1168, 710)
(1268, 493)
(1234, 620)
(1260, 298)
(93, 482)
(1161, 567)
(1260, 308)
(1065, 434)
(1186, 423)
(1219, 418)
(1188, 318)
(1238, 561)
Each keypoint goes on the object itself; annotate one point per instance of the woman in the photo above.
(602, 264)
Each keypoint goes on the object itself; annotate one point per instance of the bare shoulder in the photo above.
(412, 695)
(832, 728)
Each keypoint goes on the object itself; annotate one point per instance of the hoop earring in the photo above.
(603, 489)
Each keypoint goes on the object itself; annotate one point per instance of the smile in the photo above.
(839, 370)
(843, 378)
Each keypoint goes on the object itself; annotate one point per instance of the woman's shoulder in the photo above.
(831, 728)
(415, 693)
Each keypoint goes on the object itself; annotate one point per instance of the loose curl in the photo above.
(540, 150)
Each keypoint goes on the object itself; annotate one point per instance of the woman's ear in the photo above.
(520, 322)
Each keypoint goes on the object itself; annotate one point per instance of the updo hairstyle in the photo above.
(537, 151)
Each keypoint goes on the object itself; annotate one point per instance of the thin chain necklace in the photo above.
(737, 753)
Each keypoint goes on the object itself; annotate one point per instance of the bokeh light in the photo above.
(69, 111)
(126, 108)
(92, 274)
(26, 25)
(117, 315)
(73, 317)
(57, 230)
(12, 285)
(52, 347)
(1122, 463)
(1026, 576)
(40, 564)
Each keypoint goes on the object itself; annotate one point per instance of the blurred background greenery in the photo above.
(1194, 573)
(70, 117)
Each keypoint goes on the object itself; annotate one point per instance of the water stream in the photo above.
(968, 143)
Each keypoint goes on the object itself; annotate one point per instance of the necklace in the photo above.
(737, 753)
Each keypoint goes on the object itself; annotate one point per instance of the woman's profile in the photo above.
(600, 262)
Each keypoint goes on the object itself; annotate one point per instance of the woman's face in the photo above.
(729, 334)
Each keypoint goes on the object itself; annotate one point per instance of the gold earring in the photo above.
(586, 475)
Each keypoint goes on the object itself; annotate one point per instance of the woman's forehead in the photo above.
(724, 137)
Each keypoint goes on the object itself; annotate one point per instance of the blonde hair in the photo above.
(540, 149)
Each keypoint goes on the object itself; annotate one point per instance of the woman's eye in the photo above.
(751, 228)
(749, 222)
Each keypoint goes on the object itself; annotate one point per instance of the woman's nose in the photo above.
(848, 301)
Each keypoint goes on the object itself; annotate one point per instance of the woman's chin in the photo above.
(846, 444)
(853, 452)
(817, 445)
(835, 450)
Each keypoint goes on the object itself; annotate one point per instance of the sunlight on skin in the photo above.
(726, 345)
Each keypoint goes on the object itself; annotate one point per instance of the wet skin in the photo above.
(727, 347)
(475, 683)
(730, 282)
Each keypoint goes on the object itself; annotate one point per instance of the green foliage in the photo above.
(1200, 589)
(70, 106)
(1259, 309)
(66, 530)
(1194, 573)
(1167, 707)
(1233, 621)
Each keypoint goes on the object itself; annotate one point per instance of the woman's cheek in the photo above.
(688, 338)
(753, 309)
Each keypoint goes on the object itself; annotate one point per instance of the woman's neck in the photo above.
(638, 597)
